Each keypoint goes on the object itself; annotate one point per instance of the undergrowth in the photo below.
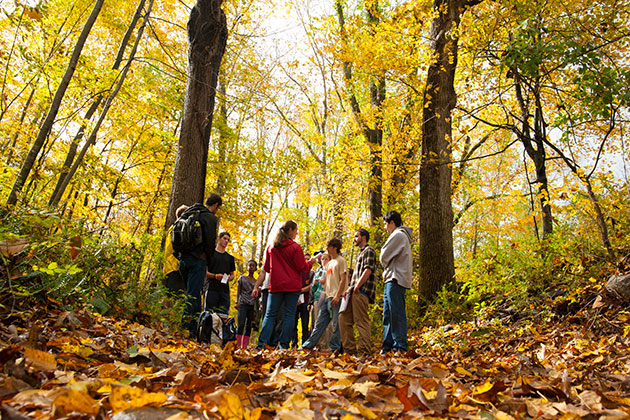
(80, 265)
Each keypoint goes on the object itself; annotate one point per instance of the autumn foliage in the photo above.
(65, 364)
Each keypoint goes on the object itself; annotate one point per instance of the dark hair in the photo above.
(283, 233)
(393, 216)
(181, 209)
(214, 198)
(335, 243)
(364, 233)
(222, 234)
(253, 261)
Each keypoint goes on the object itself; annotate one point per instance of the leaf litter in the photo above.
(99, 367)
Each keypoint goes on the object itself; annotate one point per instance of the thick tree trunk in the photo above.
(437, 262)
(46, 126)
(207, 35)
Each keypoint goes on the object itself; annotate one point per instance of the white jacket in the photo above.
(396, 257)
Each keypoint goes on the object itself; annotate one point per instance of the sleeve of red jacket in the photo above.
(267, 263)
(301, 265)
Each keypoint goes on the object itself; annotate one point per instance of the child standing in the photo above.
(245, 304)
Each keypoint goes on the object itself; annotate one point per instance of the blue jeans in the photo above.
(321, 324)
(193, 271)
(394, 317)
(288, 302)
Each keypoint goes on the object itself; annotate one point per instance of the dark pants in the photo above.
(301, 313)
(193, 270)
(218, 301)
(245, 318)
(174, 283)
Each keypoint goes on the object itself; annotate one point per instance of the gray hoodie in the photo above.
(396, 257)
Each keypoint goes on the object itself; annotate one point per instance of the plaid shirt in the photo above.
(365, 260)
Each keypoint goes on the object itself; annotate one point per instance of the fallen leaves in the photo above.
(104, 367)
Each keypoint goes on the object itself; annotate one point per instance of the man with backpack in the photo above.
(194, 237)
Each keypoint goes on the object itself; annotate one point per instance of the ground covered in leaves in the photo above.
(61, 364)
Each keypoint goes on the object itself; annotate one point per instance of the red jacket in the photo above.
(286, 265)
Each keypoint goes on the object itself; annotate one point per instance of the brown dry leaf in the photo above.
(463, 371)
(40, 359)
(408, 399)
(37, 397)
(440, 370)
(488, 391)
(331, 374)
(364, 387)
(69, 400)
(370, 370)
(439, 402)
(384, 394)
(123, 397)
(297, 402)
(541, 408)
(191, 381)
(297, 375)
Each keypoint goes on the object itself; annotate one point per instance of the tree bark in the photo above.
(533, 139)
(207, 35)
(373, 134)
(437, 262)
(46, 126)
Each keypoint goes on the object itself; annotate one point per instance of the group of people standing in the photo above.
(336, 297)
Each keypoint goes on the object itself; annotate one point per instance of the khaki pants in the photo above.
(356, 314)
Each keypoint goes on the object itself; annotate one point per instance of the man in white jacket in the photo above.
(397, 263)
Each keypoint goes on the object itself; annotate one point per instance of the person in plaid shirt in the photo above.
(360, 294)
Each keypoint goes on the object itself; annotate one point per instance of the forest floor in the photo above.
(510, 364)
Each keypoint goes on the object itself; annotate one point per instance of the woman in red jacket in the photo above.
(284, 261)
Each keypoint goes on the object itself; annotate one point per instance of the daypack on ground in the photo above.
(212, 329)
(187, 234)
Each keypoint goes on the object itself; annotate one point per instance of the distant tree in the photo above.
(46, 126)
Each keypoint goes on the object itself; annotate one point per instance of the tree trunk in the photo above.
(207, 35)
(10, 147)
(74, 145)
(223, 137)
(108, 103)
(372, 134)
(533, 139)
(437, 262)
(46, 126)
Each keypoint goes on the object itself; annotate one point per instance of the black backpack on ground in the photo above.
(187, 232)
(211, 328)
